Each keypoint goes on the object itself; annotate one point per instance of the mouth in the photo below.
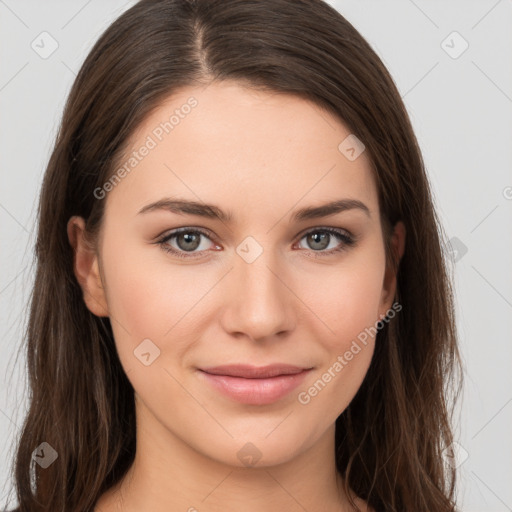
(254, 385)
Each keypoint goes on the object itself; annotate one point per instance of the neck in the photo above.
(169, 475)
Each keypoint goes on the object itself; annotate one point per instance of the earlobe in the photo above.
(86, 268)
(389, 285)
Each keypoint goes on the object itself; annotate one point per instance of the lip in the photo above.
(255, 385)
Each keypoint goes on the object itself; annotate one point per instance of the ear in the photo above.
(86, 268)
(389, 284)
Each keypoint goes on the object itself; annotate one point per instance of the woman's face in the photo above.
(252, 280)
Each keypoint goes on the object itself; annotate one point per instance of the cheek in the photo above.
(358, 306)
(349, 308)
(329, 392)
(143, 304)
(347, 300)
(348, 305)
(141, 300)
(150, 299)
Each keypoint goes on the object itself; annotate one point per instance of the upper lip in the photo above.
(254, 372)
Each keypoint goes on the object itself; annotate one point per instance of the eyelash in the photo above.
(343, 236)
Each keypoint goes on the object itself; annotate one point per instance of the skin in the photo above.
(261, 156)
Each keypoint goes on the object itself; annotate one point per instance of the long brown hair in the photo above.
(390, 439)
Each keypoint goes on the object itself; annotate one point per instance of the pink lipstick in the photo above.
(255, 385)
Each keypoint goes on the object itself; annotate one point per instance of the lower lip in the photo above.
(255, 391)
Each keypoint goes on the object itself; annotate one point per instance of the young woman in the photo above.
(241, 301)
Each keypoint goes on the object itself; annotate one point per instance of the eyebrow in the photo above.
(210, 211)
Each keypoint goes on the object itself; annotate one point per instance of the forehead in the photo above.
(227, 143)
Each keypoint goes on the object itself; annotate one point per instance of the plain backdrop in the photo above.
(451, 61)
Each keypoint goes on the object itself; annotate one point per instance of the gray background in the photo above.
(461, 111)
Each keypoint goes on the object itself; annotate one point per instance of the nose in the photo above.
(259, 299)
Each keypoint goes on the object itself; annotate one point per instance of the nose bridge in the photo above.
(261, 303)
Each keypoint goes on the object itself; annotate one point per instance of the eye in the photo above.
(320, 239)
(188, 240)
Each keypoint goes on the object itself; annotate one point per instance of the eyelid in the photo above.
(325, 228)
(186, 229)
